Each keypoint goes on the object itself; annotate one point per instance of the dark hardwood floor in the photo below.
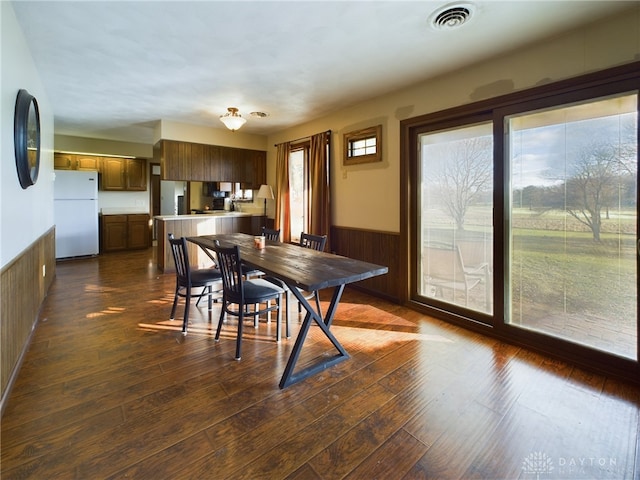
(111, 389)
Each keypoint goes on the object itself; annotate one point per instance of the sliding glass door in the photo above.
(573, 216)
(455, 219)
(524, 217)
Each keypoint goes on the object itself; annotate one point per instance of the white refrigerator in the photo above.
(75, 200)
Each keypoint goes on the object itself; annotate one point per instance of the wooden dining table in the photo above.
(300, 269)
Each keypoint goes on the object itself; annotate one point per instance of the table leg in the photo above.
(288, 377)
(211, 256)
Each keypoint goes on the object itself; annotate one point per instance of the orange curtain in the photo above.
(283, 212)
(319, 204)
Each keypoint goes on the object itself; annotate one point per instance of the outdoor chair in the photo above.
(443, 268)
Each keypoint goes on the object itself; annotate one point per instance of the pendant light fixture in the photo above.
(232, 119)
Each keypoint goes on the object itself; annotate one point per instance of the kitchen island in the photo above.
(212, 222)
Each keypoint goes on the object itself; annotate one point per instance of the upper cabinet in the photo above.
(123, 174)
(186, 161)
(115, 173)
(66, 161)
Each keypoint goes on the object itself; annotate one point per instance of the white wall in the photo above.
(25, 214)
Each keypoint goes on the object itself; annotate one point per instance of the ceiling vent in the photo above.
(451, 16)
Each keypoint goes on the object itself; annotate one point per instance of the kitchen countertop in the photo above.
(121, 211)
(210, 213)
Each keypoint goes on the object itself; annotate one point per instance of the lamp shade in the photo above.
(265, 192)
(232, 119)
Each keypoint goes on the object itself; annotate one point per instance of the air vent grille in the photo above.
(451, 17)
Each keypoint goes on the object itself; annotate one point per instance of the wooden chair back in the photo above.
(271, 234)
(316, 242)
(181, 259)
(231, 268)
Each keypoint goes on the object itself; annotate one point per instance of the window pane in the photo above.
(573, 222)
(366, 146)
(455, 218)
(297, 196)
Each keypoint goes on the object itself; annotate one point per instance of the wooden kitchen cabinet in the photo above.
(124, 232)
(113, 236)
(67, 161)
(136, 174)
(227, 161)
(185, 161)
(212, 165)
(166, 153)
(123, 174)
(259, 171)
(257, 222)
(112, 174)
(137, 231)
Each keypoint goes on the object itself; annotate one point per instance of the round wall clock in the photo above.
(26, 137)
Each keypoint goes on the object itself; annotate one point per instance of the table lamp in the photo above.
(265, 192)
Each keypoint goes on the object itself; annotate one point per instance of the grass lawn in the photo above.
(562, 281)
(570, 273)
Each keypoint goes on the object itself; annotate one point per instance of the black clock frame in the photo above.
(26, 136)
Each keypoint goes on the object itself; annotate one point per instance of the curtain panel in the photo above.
(319, 214)
(283, 212)
(319, 196)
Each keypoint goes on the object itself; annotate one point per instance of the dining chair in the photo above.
(237, 290)
(271, 234)
(274, 235)
(187, 279)
(315, 242)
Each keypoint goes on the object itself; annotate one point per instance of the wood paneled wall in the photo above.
(23, 289)
(381, 248)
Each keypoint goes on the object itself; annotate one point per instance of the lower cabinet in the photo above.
(124, 232)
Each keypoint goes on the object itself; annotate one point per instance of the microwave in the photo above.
(213, 189)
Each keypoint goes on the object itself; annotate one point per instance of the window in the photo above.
(573, 222)
(308, 203)
(455, 234)
(522, 216)
(363, 146)
(298, 191)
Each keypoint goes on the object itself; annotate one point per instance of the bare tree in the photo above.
(465, 173)
(594, 184)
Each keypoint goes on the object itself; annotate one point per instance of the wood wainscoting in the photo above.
(24, 284)
(381, 248)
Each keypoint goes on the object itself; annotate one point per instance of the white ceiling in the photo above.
(113, 69)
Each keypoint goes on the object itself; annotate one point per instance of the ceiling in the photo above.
(114, 69)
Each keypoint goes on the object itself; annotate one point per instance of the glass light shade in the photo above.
(232, 119)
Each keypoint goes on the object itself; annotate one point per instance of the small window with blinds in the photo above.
(363, 146)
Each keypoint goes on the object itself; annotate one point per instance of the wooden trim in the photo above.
(349, 137)
(23, 289)
(375, 247)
